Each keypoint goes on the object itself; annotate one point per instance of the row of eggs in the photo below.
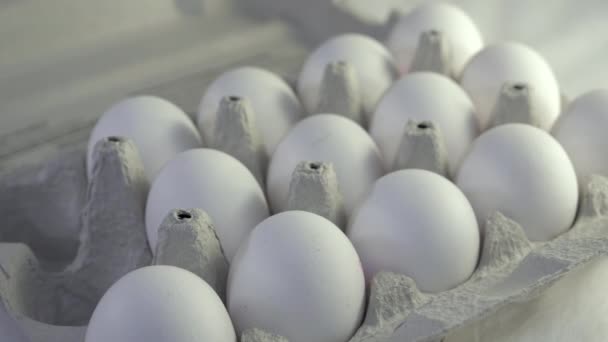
(296, 273)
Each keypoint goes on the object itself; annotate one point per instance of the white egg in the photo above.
(159, 129)
(160, 304)
(214, 182)
(422, 96)
(274, 103)
(524, 173)
(462, 36)
(372, 62)
(297, 275)
(326, 138)
(417, 223)
(582, 132)
(495, 65)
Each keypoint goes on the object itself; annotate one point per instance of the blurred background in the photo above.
(63, 62)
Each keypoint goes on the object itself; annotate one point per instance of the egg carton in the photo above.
(97, 228)
(49, 205)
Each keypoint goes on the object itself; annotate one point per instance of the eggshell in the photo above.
(417, 223)
(160, 304)
(582, 132)
(524, 173)
(422, 96)
(487, 71)
(372, 62)
(214, 182)
(159, 129)
(298, 276)
(326, 138)
(463, 37)
(274, 103)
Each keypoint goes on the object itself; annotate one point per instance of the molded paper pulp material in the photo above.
(511, 269)
(340, 92)
(34, 301)
(514, 105)
(258, 335)
(422, 147)
(238, 135)
(187, 239)
(314, 188)
(41, 206)
(573, 309)
(432, 53)
(68, 297)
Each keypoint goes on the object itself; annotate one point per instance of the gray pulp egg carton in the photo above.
(99, 225)
(52, 216)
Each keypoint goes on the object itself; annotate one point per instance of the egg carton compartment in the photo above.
(66, 240)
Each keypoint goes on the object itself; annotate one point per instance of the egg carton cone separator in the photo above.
(432, 53)
(314, 188)
(513, 105)
(187, 239)
(339, 92)
(238, 135)
(422, 147)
